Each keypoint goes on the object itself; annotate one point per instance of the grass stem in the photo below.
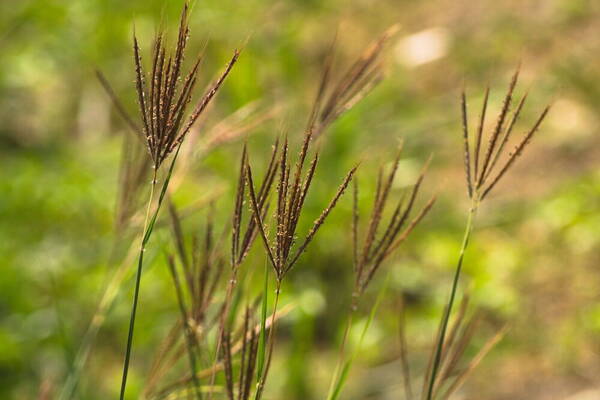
(446, 317)
(269, 345)
(136, 291)
(148, 229)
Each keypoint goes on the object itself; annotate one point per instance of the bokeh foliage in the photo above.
(535, 253)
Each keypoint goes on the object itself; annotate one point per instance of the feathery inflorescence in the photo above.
(482, 170)
(291, 195)
(375, 250)
(329, 104)
(481, 177)
(165, 99)
(360, 78)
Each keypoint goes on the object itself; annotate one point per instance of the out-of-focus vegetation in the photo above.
(535, 253)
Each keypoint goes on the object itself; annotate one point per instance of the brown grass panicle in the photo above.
(135, 161)
(164, 100)
(241, 241)
(479, 170)
(281, 250)
(377, 248)
(365, 73)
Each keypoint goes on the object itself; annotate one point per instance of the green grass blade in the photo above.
(446, 317)
(348, 364)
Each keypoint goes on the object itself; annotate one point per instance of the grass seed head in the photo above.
(484, 173)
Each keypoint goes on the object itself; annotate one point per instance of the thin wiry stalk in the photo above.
(477, 193)
(454, 331)
(446, 317)
(459, 337)
(146, 234)
(270, 345)
(455, 351)
(148, 229)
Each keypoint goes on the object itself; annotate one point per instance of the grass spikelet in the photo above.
(375, 251)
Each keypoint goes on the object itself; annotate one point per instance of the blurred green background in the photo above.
(535, 257)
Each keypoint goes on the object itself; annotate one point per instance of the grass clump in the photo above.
(225, 333)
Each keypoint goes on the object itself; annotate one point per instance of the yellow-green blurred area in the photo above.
(534, 260)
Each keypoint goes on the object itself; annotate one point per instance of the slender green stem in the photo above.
(262, 341)
(148, 229)
(270, 344)
(453, 290)
(136, 292)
